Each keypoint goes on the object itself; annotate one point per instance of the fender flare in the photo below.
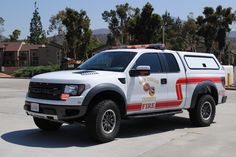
(103, 88)
(202, 88)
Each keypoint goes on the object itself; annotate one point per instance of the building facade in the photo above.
(14, 55)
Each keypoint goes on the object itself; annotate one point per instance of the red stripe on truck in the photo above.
(158, 105)
(178, 102)
(134, 107)
(168, 104)
(194, 80)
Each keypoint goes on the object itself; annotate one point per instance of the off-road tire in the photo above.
(197, 115)
(95, 121)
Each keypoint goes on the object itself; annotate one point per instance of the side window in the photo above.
(150, 59)
(173, 66)
(201, 62)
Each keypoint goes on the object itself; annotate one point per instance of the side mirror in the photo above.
(140, 71)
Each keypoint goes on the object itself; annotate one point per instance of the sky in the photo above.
(18, 13)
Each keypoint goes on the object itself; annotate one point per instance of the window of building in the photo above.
(9, 59)
(35, 59)
(23, 60)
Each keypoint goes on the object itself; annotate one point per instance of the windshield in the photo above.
(108, 61)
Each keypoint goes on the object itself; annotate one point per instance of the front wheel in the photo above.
(46, 125)
(204, 112)
(103, 121)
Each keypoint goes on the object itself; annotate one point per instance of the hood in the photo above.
(75, 76)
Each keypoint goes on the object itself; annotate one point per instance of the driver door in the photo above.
(145, 91)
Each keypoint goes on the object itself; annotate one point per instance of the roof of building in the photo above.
(11, 46)
(27, 47)
(18, 46)
(55, 44)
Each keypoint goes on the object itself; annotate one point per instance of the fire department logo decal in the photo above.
(147, 87)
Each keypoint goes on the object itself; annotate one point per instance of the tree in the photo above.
(15, 35)
(172, 32)
(94, 45)
(118, 23)
(75, 27)
(214, 26)
(144, 27)
(225, 18)
(189, 34)
(113, 25)
(1, 21)
(175, 35)
(1, 24)
(167, 23)
(37, 34)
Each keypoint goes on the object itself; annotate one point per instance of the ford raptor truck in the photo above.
(132, 82)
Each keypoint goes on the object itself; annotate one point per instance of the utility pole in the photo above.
(163, 34)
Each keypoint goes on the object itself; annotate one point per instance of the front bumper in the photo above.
(56, 112)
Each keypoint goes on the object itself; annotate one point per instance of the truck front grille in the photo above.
(47, 91)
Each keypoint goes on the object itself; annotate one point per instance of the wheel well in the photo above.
(111, 95)
(208, 89)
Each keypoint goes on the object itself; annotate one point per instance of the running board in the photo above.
(155, 114)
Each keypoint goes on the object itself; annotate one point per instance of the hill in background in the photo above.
(101, 31)
(99, 34)
(232, 36)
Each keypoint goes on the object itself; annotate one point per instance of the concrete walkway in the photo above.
(2, 75)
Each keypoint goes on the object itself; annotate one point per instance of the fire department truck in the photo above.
(129, 82)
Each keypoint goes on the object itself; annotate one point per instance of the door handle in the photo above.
(163, 81)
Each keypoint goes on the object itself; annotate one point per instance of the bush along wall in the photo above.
(35, 70)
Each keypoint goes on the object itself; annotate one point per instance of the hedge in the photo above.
(35, 70)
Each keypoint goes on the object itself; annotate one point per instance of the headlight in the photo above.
(74, 89)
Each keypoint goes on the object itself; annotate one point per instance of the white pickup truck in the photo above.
(127, 83)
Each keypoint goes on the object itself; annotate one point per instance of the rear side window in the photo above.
(149, 59)
(201, 62)
(172, 63)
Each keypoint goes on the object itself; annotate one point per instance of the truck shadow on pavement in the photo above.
(75, 135)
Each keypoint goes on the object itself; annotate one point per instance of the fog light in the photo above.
(64, 97)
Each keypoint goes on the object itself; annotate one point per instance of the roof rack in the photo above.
(144, 46)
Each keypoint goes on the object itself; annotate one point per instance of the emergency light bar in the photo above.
(144, 46)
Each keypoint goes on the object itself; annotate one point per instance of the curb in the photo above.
(14, 78)
(230, 88)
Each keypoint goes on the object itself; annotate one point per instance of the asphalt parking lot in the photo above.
(166, 136)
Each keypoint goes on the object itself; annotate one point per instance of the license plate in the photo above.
(34, 107)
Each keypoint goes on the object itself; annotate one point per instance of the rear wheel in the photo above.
(46, 124)
(204, 112)
(103, 121)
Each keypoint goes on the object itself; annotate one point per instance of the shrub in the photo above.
(35, 70)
